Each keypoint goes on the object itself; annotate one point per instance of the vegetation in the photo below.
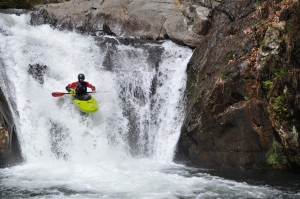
(19, 4)
(275, 156)
(259, 3)
(279, 107)
(279, 158)
(278, 104)
(268, 85)
(281, 73)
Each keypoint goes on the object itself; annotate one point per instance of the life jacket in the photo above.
(81, 88)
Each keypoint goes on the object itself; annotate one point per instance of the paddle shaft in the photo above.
(59, 94)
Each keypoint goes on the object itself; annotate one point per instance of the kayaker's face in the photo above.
(81, 80)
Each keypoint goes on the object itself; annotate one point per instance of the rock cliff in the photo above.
(242, 89)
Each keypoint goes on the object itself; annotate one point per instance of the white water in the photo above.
(125, 149)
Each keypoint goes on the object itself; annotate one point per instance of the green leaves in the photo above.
(268, 85)
(259, 3)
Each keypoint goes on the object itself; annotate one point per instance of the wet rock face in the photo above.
(224, 124)
(10, 153)
(4, 136)
(4, 140)
(241, 105)
(278, 67)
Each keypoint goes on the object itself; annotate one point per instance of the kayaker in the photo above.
(81, 88)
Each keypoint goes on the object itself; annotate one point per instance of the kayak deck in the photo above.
(86, 106)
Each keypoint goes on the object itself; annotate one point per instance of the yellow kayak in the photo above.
(87, 106)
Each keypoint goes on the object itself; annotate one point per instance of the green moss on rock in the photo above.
(276, 157)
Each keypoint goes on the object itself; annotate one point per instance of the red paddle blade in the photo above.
(58, 94)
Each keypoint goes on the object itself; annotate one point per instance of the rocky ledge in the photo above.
(185, 22)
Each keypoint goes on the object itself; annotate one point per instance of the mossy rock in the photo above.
(276, 157)
(279, 158)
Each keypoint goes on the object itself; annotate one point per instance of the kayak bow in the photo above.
(86, 106)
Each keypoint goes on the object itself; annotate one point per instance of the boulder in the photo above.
(130, 18)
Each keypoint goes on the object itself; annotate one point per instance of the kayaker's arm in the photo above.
(90, 86)
(72, 85)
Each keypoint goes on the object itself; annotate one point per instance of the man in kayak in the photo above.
(81, 88)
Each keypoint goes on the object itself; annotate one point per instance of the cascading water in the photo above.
(125, 149)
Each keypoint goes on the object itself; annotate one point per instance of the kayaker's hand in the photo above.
(68, 89)
(72, 91)
(94, 89)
